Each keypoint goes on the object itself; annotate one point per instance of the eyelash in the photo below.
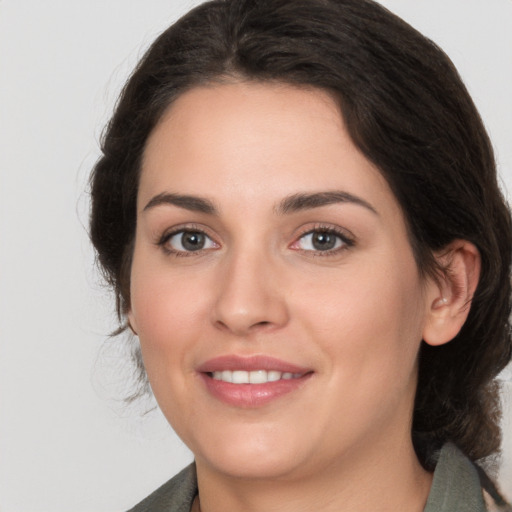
(347, 241)
(164, 239)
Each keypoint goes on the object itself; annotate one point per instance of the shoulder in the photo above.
(457, 484)
(176, 495)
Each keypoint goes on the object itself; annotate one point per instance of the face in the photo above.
(273, 287)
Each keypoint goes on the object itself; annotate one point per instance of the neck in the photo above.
(388, 479)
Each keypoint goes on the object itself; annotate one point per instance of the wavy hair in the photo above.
(405, 108)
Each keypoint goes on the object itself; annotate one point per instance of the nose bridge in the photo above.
(248, 296)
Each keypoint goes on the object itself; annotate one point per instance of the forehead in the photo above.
(250, 141)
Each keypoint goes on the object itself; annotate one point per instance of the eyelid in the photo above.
(184, 228)
(346, 237)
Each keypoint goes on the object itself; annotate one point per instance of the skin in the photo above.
(354, 316)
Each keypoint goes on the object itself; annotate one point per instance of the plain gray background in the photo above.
(65, 443)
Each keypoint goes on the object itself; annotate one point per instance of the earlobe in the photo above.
(450, 295)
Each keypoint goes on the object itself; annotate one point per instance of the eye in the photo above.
(322, 240)
(186, 241)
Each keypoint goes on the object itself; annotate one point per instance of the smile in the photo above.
(253, 377)
(252, 382)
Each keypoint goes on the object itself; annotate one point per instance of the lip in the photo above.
(251, 395)
(257, 362)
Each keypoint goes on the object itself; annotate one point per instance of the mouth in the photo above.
(249, 382)
(252, 377)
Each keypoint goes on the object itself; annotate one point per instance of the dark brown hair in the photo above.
(405, 108)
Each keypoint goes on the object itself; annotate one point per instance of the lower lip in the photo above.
(252, 395)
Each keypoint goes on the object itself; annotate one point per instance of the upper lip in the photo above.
(251, 363)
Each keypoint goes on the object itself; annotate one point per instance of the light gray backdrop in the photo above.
(65, 444)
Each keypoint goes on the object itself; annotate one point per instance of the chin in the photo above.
(255, 466)
(254, 453)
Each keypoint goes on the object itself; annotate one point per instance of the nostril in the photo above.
(221, 325)
(241, 315)
(261, 324)
(243, 329)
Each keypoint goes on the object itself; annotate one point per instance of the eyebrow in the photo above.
(298, 202)
(290, 204)
(192, 203)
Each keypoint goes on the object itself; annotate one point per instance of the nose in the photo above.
(249, 298)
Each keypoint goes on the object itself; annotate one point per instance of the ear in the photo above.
(449, 296)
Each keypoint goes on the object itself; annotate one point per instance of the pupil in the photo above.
(192, 241)
(323, 241)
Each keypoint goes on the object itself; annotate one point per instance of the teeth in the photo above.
(240, 377)
(272, 375)
(253, 377)
(258, 377)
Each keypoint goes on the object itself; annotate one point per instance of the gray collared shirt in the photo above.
(455, 488)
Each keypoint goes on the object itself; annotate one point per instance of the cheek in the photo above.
(168, 311)
(368, 318)
(169, 316)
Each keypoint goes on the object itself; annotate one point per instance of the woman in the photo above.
(298, 210)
